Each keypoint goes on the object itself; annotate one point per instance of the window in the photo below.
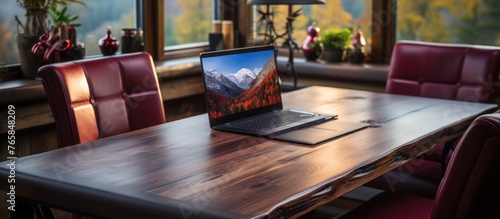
(94, 20)
(183, 27)
(446, 21)
(187, 22)
(335, 13)
(98, 16)
(8, 46)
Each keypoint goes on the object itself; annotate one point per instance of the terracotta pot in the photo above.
(29, 63)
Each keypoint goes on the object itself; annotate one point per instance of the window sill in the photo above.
(370, 73)
(178, 67)
(343, 71)
(21, 91)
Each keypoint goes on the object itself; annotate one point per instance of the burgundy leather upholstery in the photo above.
(447, 71)
(469, 189)
(96, 98)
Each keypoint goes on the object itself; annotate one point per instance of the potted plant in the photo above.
(35, 24)
(335, 41)
(63, 23)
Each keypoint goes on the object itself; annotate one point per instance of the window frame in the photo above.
(152, 21)
(384, 14)
(383, 22)
(153, 25)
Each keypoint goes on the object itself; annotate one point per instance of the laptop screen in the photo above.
(240, 82)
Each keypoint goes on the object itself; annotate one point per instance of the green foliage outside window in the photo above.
(449, 21)
(187, 21)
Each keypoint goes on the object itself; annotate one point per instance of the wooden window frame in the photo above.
(384, 15)
(152, 23)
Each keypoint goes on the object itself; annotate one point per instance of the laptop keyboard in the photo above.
(274, 120)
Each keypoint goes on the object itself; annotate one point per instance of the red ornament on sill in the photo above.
(311, 46)
(108, 44)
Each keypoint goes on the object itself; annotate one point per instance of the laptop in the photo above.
(243, 95)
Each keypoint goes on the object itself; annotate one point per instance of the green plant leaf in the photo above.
(337, 38)
(62, 16)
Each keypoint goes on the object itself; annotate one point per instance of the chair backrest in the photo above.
(101, 97)
(471, 185)
(446, 71)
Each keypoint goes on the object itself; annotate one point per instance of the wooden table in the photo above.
(183, 169)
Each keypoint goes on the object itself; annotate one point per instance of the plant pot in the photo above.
(333, 54)
(29, 63)
(356, 57)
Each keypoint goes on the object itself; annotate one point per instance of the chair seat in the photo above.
(386, 206)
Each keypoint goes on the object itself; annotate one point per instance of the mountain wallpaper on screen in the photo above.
(241, 91)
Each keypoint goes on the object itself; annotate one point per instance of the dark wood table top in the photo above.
(184, 169)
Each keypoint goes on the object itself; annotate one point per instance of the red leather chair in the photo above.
(96, 98)
(101, 97)
(447, 71)
(470, 187)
